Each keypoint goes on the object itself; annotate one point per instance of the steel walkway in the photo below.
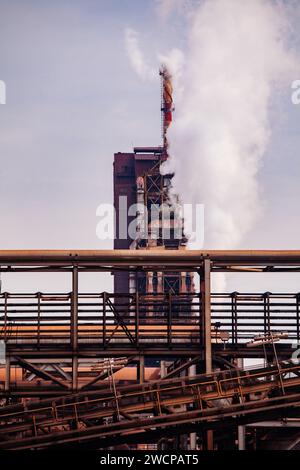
(139, 413)
(42, 321)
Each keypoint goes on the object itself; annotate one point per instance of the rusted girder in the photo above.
(159, 258)
(161, 399)
(40, 373)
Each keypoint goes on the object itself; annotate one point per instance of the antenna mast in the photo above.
(166, 103)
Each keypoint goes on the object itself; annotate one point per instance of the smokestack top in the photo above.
(166, 102)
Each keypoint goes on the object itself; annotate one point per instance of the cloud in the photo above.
(222, 123)
(136, 56)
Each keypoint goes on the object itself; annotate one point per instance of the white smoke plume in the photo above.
(236, 59)
(136, 56)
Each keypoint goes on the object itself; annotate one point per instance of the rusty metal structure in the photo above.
(209, 400)
(71, 357)
(158, 361)
(140, 184)
(167, 106)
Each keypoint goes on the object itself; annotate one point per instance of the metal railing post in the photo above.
(104, 320)
(74, 327)
(137, 318)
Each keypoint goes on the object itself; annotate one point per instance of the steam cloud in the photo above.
(136, 56)
(236, 59)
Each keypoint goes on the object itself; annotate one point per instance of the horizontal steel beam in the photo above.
(177, 258)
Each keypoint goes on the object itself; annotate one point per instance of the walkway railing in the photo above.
(105, 319)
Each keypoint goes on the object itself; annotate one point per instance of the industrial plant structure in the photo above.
(158, 363)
